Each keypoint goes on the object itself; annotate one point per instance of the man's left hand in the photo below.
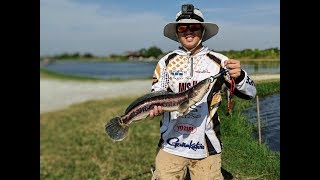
(234, 67)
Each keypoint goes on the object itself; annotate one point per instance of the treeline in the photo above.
(271, 53)
(72, 56)
(153, 52)
(156, 53)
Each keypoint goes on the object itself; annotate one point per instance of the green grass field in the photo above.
(73, 144)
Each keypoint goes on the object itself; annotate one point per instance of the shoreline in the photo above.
(56, 94)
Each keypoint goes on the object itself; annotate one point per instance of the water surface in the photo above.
(269, 107)
(132, 70)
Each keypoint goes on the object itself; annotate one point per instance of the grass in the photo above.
(73, 144)
(44, 73)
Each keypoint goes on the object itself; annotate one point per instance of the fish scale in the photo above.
(168, 102)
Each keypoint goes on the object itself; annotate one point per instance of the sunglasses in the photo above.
(193, 27)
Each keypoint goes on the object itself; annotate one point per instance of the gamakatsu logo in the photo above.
(185, 128)
(191, 145)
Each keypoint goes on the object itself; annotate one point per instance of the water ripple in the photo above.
(269, 108)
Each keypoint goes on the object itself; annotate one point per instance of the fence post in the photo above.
(258, 115)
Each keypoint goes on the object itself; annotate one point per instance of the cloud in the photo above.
(68, 26)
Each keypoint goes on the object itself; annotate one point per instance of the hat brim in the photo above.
(211, 30)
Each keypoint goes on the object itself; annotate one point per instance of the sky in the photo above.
(105, 27)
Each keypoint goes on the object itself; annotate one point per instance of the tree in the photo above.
(153, 51)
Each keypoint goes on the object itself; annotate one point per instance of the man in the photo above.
(192, 140)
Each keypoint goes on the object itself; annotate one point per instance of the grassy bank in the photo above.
(53, 75)
(73, 144)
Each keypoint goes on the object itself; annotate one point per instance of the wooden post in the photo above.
(258, 115)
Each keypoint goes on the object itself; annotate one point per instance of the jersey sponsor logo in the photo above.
(191, 116)
(191, 145)
(176, 73)
(202, 71)
(185, 128)
(185, 86)
(193, 113)
(250, 81)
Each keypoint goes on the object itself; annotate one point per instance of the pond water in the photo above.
(131, 70)
(269, 108)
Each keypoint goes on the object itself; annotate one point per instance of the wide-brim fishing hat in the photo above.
(211, 29)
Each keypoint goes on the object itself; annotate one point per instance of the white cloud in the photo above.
(66, 26)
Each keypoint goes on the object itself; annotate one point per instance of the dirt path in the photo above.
(59, 94)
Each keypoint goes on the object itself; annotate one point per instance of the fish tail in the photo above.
(116, 129)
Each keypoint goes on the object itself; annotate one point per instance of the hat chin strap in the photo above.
(189, 51)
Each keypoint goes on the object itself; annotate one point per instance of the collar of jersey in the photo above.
(202, 51)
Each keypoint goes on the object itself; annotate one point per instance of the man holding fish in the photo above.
(192, 139)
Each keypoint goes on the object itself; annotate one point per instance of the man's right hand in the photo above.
(156, 111)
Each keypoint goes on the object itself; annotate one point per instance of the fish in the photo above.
(117, 128)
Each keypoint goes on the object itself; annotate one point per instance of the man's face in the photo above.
(189, 34)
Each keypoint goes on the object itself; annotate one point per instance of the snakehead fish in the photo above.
(117, 128)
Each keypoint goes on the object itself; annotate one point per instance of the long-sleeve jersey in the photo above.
(195, 134)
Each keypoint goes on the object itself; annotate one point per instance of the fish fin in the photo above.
(184, 107)
(116, 129)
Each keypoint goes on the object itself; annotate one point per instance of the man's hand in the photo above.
(156, 111)
(234, 67)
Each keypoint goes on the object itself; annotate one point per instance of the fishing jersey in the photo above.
(195, 134)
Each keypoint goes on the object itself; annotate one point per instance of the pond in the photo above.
(269, 108)
(132, 70)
